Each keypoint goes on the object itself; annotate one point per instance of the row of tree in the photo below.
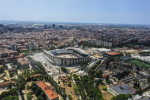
(122, 97)
(37, 91)
(2, 68)
(87, 88)
(122, 75)
(11, 92)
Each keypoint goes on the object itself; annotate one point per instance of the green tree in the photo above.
(64, 69)
(104, 88)
(10, 98)
(99, 81)
(40, 98)
(70, 97)
(139, 91)
(12, 92)
(120, 97)
(69, 84)
(29, 96)
(148, 79)
(64, 96)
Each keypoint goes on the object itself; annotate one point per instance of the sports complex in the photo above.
(67, 57)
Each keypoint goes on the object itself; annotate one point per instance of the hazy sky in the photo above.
(91, 11)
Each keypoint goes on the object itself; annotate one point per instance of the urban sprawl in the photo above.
(43, 61)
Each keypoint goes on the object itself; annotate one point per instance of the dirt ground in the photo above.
(106, 95)
(133, 51)
(69, 90)
(28, 91)
(7, 75)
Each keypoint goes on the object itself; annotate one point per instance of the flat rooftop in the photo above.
(113, 53)
(122, 88)
(104, 50)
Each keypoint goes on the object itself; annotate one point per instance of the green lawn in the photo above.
(139, 63)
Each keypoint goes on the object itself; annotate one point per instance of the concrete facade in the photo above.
(67, 61)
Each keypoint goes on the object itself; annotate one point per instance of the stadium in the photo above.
(67, 57)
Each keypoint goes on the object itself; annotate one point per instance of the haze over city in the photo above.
(79, 11)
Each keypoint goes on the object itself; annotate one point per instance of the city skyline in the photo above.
(77, 11)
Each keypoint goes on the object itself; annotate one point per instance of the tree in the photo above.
(38, 91)
(21, 83)
(64, 69)
(64, 96)
(136, 84)
(108, 81)
(139, 91)
(99, 81)
(40, 98)
(104, 88)
(2, 69)
(123, 74)
(85, 85)
(28, 87)
(10, 98)
(148, 79)
(69, 84)
(120, 97)
(11, 92)
(29, 96)
(70, 97)
(99, 74)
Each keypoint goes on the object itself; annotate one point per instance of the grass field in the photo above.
(139, 63)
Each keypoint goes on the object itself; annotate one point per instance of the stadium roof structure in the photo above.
(67, 51)
(122, 88)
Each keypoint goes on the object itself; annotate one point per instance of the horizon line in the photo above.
(62, 22)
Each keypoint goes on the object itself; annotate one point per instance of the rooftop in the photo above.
(22, 61)
(5, 83)
(122, 88)
(104, 50)
(113, 53)
(46, 89)
(35, 75)
(69, 52)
